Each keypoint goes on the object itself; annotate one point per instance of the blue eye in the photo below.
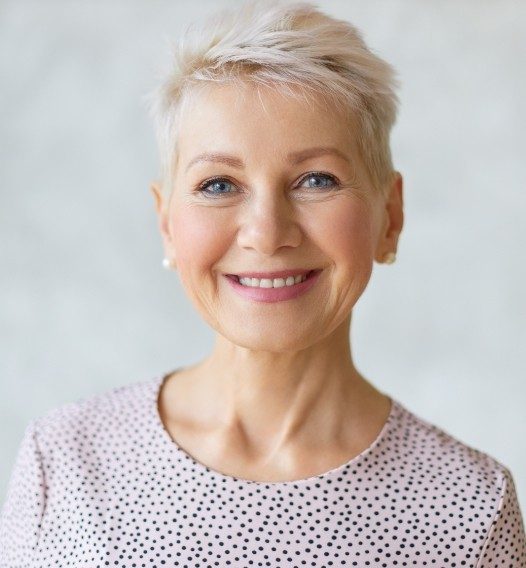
(319, 176)
(216, 187)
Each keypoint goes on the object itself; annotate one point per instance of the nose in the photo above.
(268, 222)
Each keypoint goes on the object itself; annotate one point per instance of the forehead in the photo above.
(256, 119)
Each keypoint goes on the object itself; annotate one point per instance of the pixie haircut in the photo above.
(281, 44)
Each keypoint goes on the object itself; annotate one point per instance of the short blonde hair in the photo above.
(283, 44)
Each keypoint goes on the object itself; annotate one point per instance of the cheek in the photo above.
(346, 232)
(200, 239)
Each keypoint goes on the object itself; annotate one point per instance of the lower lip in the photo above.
(274, 294)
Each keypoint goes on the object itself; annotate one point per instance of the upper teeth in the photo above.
(272, 282)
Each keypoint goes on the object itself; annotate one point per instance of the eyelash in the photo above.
(202, 186)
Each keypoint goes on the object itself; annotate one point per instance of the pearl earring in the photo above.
(168, 263)
(389, 258)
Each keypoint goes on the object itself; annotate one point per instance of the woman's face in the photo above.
(276, 202)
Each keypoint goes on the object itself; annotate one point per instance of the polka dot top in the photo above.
(100, 482)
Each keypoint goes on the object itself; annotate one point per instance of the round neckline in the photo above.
(202, 468)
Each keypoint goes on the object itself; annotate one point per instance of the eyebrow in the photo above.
(294, 157)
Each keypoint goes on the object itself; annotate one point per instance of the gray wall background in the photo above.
(85, 304)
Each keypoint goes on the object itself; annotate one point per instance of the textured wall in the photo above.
(85, 304)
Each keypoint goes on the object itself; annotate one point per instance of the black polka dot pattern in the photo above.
(99, 482)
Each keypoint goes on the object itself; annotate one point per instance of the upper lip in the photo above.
(274, 274)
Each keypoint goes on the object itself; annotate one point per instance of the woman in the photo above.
(277, 194)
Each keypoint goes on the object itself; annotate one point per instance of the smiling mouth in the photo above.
(276, 282)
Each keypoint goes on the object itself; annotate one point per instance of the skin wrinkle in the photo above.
(325, 102)
(294, 158)
(283, 383)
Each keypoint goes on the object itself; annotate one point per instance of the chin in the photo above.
(269, 340)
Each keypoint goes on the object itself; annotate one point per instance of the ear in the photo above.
(161, 208)
(393, 218)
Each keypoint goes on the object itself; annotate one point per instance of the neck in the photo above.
(277, 399)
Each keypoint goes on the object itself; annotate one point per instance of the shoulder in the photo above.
(457, 486)
(446, 462)
(96, 415)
